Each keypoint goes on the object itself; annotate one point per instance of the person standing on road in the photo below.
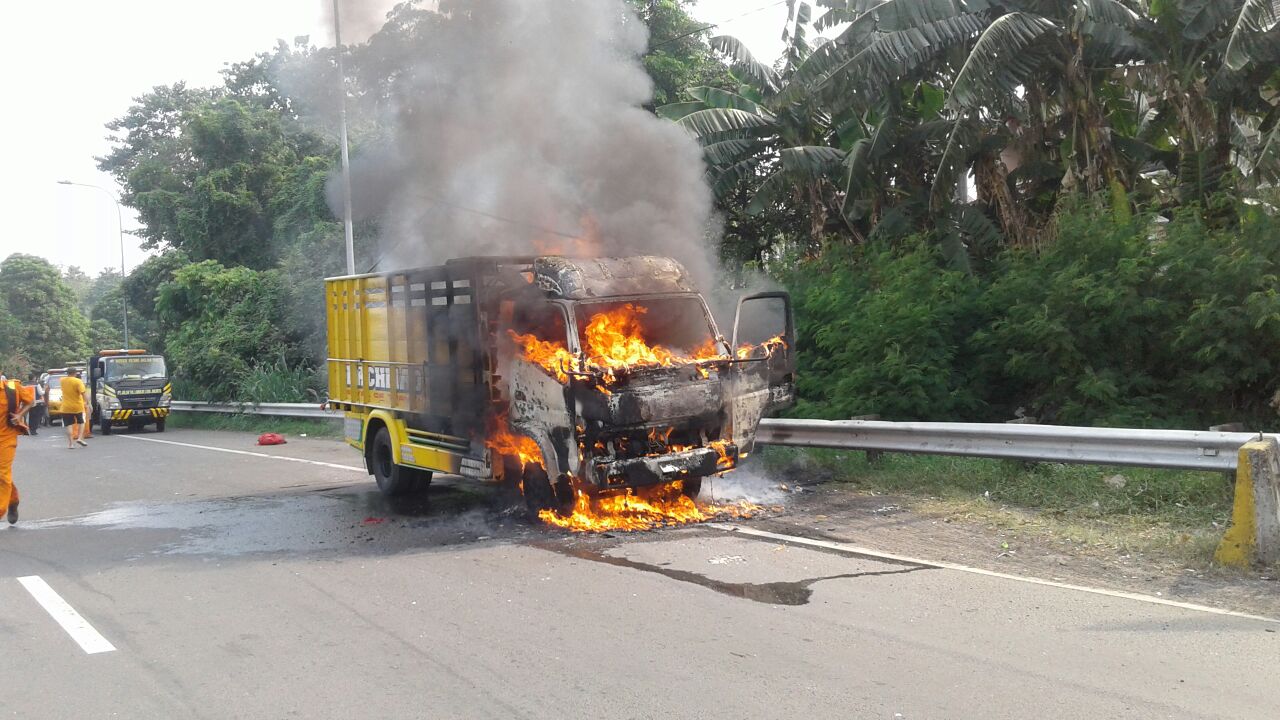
(17, 400)
(73, 404)
(36, 416)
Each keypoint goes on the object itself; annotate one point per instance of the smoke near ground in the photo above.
(517, 127)
(745, 484)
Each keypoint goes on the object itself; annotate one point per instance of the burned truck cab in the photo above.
(616, 369)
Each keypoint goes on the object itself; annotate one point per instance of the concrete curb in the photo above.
(1254, 535)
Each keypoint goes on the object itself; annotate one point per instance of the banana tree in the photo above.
(783, 148)
(1215, 81)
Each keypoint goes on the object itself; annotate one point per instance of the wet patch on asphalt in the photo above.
(326, 519)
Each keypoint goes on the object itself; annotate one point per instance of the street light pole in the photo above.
(348, 230)
(124, 299)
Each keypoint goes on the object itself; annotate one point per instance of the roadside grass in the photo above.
(1129, 509)
(255, 424)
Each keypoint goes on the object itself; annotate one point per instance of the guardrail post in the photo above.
(1254, 534)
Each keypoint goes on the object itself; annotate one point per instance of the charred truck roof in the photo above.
(588, 278)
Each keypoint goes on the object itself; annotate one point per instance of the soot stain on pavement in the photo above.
(775, 593)
(436, 501)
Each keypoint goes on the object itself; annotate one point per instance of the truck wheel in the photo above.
(540, 494)
(160, 426)
(394, 480)
(691, 487)
(105, 427)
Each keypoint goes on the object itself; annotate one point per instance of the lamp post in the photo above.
(348, 230)
(124, 300)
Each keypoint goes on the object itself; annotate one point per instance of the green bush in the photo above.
(1139, 324)
(1136, 322)
(884, 331)
(219, 323)
(278, 382)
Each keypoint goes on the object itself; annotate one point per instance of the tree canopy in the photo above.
(43, 324)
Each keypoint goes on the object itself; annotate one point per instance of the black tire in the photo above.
(160, 426)
(541, 494)
(394, 480)
(691, 487)
(105, 426)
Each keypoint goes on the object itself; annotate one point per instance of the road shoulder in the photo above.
(1011, 541)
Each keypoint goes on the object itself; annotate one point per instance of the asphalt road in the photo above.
(241, 586)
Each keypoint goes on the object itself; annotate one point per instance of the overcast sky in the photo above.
(74, 65)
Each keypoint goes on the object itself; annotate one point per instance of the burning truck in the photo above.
(597, 386)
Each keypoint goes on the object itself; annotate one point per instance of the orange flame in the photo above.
(769, 347)
(553, 357)
(724, 462)
(614, 341)
(505, 443)
(645, 508)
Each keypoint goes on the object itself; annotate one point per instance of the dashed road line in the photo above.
(90, 640)
(858, 550)
(247, 452)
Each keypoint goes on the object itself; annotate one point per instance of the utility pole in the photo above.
(348, 230)
(124, 299)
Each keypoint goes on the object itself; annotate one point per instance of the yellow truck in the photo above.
(552, 373)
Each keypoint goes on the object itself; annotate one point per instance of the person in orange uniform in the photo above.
(17, 401)
(73, 394)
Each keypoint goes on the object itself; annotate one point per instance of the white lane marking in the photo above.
(90, 640)
(246, 452)
(979, 571)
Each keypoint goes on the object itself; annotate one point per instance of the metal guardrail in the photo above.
(1167, 449)
(292, 410)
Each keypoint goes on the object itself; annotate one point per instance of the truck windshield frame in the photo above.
(135, 367)
(583, 311)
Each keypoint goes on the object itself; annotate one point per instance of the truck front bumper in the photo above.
(638, 472)
(136, 414)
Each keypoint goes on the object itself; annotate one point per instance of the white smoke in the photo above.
(744, 484)
(358, 19)
(518, 127)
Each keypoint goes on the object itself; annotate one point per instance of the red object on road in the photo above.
(271, 439)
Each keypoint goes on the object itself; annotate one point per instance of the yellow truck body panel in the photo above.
(398, 360)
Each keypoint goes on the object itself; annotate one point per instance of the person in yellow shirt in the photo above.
(17, 400)
(73, 404)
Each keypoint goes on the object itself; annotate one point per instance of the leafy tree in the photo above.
(80, 283)
(104, 335)
(678, 57)
(206, 173)
(765, 139)
(220, 322)
(141, 288)
(106, 281)
(47, 326)
(14, 360)
(1159, 103)
(107, 321)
